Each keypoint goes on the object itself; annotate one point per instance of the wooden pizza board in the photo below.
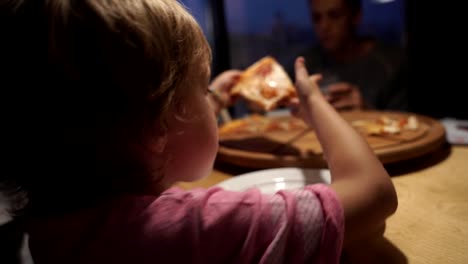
(300, 147)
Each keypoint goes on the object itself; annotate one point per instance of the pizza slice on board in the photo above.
(265, 83)
(257, 124)
(387, 126)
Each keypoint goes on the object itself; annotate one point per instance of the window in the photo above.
(283, 28)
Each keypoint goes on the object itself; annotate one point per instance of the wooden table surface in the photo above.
(431, 223)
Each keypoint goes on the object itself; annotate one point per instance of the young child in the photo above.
(120, 111)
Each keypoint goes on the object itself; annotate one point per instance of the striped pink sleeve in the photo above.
(249, 227)
(333, 230)
(318, 225)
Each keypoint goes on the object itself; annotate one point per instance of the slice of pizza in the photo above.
(251, 125)
(285, 125)
(265, 83)
(387, 126)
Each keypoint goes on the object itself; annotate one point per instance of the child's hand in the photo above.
(306, 87)
(221, 87)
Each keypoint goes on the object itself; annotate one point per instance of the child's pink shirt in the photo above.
(198, 226)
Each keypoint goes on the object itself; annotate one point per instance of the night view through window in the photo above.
(283, 28)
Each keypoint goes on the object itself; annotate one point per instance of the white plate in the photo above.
(273, 180)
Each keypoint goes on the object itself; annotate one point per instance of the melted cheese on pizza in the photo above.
(265, 83)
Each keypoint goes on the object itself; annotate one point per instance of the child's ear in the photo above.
(158, 144)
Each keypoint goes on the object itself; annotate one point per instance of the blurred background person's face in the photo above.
(334, 23)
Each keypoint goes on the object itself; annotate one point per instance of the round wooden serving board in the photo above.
(299, 146)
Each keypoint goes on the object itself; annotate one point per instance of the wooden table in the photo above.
(431, 223)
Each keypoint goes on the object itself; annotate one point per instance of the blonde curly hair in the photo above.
(109, 72)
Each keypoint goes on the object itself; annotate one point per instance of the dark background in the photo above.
(437, 54)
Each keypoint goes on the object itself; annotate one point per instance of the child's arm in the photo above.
(359, 179)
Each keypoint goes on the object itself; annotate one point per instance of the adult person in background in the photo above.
(358, 72)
